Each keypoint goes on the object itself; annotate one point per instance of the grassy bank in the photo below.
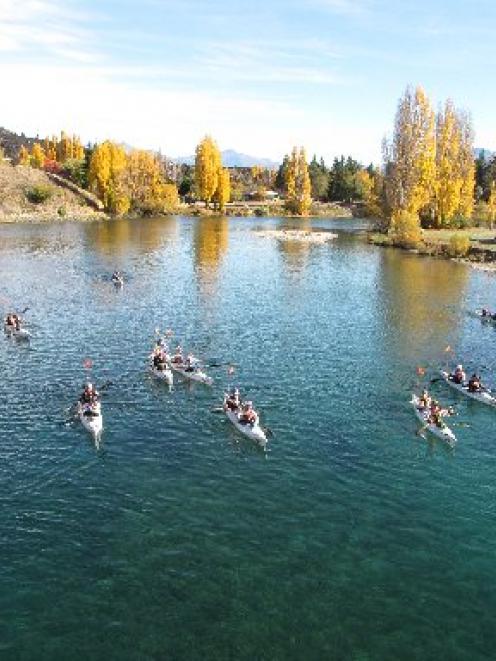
(474, 243)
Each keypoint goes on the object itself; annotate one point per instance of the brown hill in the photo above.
(27, 194)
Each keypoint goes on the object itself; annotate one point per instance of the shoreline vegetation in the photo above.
(432, 195)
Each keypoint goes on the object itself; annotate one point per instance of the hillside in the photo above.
(11, 142)
(19, 185)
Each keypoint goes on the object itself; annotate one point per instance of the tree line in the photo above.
(430, 177)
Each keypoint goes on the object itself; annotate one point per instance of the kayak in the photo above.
(252, 431)
(194, 375)
(485, 317)
(484, 397)
(20, 334)
(444, 432)
(91, 417)
(162, 375)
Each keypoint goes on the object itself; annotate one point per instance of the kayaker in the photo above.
(458, 375)
(232, 401)
(9, 320)
(424, 399)
(248, 415)
(191, 363)
(90, 395)
(177, 358)
(485, 312)
(475, 384)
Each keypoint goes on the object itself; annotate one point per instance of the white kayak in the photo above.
(444, 432)
(162, 375)
(91, 417)
(484, 397)
(195, 374)
(252, 431)
(20, 334)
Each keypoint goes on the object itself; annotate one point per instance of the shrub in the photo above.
(39, 193)
(62, 212)
(459, 245)
(260, 212)
(405, 230)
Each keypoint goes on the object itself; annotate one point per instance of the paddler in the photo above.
(232, 401)
(160, 360)
(90, 395)
(248, 415)
(475, 383)
(458, 375)
(191, 363)
(436, 414)
(424, 399)
(177, 358)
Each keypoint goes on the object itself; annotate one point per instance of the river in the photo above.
(351, 538)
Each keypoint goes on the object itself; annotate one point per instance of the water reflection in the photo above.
(210, 243)
(417, 290)
(295, 253)
(124, 235)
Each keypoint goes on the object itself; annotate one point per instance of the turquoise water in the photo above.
(353, 538)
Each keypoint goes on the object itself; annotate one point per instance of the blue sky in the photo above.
(260, 76)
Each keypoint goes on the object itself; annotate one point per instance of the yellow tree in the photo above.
(223, 192)
(410, 159)
(304, 185)
(50, 147)
(298, 184)
(207, 166)
(448, 181)
(77, 148)
(291, 174)
(23, 157)
(106, 174)
(37, 156)
(144, 185)
(64, 148)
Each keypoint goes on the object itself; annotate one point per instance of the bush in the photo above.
(260, 212)
(39, 193)
(459, 245)
(405, 230)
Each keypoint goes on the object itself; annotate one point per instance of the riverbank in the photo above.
(474, 245)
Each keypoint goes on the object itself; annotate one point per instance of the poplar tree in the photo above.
(448, 179)
(37, 156)
(411, 157)
(106, 172)
(23, 158)
(304, 185)
(207, 166)
(223, 192)
(298, 184)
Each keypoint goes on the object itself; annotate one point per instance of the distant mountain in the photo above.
(488, 154)
(233, 159)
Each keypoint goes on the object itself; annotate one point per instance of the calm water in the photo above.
(177, 539)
